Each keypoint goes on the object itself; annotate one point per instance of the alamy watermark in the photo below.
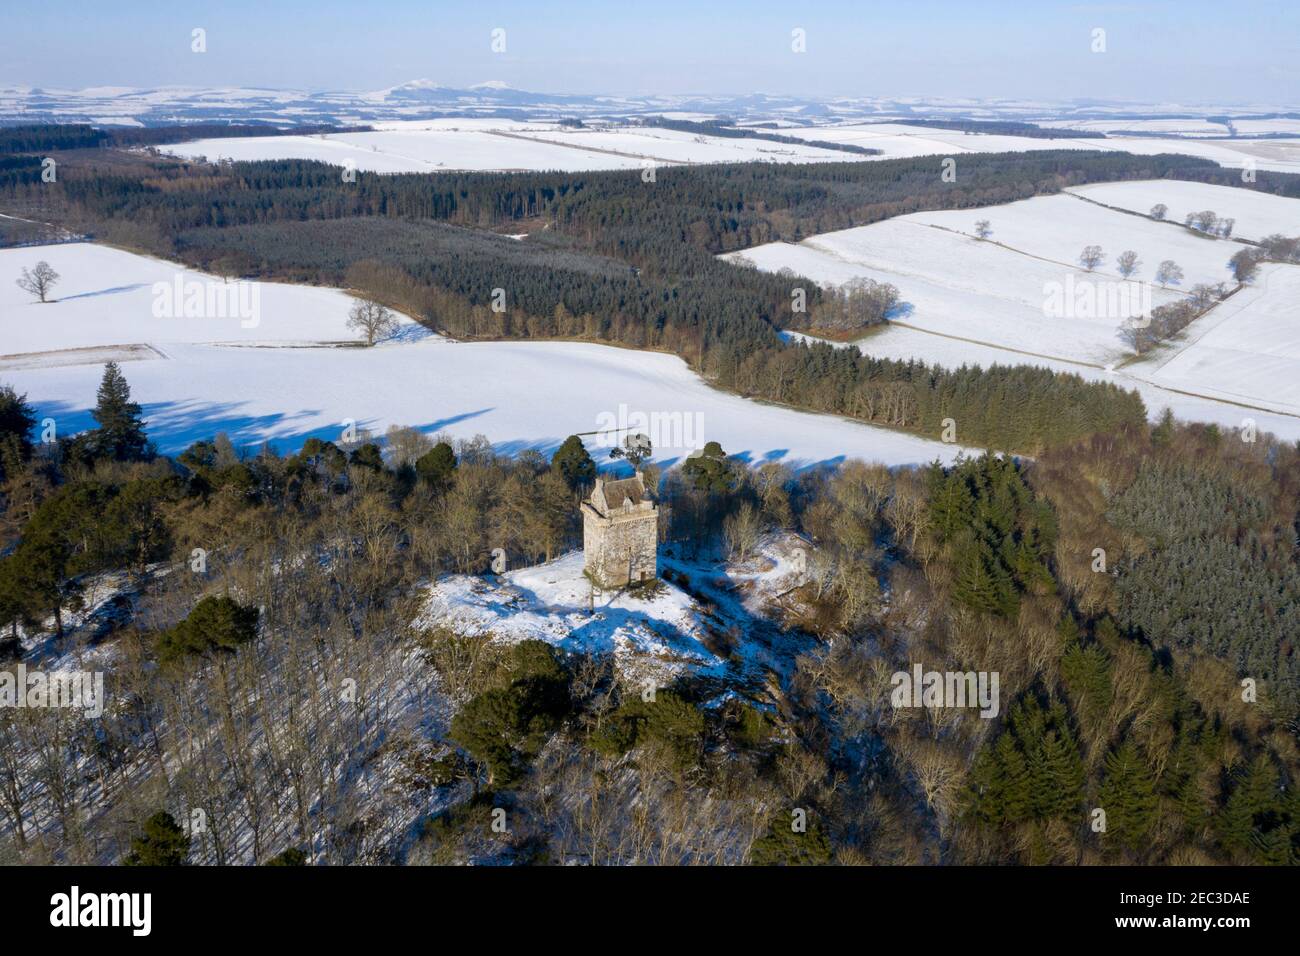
(665, 429)
(37, 690)
(74, 909)
(184, 298)
(1098, 299)
(922, 688)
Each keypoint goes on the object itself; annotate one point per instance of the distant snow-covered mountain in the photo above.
(427, 99)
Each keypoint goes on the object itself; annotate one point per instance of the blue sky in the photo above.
(1189, 50)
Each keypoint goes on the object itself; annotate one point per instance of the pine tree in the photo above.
(1086, 673)
(783, 845)
(1063, 774)
(163, 843)
(709, 470)
(15, 606)
(215, 625)
(16, 422)
(1015, 792)
(574, 463)
(436, 466)
(983, 582)
(1257, 818)
(290, 857)
(368, 456)
(1128, 797)
(120, 435)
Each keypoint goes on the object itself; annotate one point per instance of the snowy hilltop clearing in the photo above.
(963, 300)
(700, 619)
(196, 377)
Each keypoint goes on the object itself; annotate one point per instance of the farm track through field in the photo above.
(85, 355)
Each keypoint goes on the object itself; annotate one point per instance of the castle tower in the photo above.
(620, 533)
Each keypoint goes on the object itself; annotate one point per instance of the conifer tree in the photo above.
(121, 434)
(709, 470)
(215, 625)
(436, 466)
(783, 845)
(1128, 797)
(16, 422)
(574, 463)
(1086, 673)
(163, 843)
(1258, 818)
(368, 456)
(1063, 774)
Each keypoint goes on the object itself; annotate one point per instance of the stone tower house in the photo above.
(620, 533)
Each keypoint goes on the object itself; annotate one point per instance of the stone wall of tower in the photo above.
(622, 548)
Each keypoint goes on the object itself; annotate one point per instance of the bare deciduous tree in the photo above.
(1158, 210)
(372, 320)
(741, 531)
(1168, 272)
(1244, 264)
(1091, 257)
(983, 229)
(1128, 263)
(39, 280)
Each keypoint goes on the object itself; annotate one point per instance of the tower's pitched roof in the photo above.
(609, 496)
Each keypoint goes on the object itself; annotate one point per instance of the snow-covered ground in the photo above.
(1257, 214)
(655, 637)
(974, 302)
(1247, 349)
(491, 144)
(481, 144)
(108, 297)
(519, 394)
(718, 623)
(1188, 126)
(1191, 126)
(998, 292)
(899, 140)
(1228, 408)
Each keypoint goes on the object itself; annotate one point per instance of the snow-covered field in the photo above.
(491, 144)
(1257, 214)
(1057, 228)
(997, 291)
(444, 145)
(1187, 401)
(108, 297)
(953, 285)
(1189, 126)
(1248, 348)
(965, 301)
(899, 139)
(518, 394)
(1192, 126)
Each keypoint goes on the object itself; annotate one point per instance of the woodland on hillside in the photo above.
(278, 687)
